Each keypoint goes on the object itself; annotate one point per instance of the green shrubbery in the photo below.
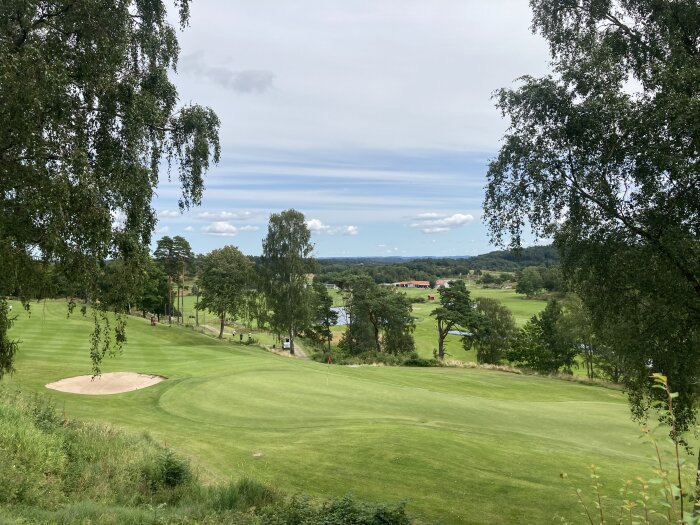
(59, 471)
(340, 357)
(47, 460)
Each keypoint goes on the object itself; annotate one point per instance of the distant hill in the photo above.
(389, 259)
(392, 269)
(508, 260)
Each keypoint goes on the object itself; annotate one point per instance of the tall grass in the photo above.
(59, 471)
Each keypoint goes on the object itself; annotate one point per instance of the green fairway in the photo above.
(462, 446)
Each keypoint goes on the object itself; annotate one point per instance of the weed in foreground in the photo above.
(664, 497)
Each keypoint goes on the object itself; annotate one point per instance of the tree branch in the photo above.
(614, 212)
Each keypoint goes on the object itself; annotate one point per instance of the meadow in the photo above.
(460, 445)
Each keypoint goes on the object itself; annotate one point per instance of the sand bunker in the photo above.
(110, 383)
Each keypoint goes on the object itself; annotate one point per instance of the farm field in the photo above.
(461, 446)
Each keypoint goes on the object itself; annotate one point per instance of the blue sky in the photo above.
(373, 118)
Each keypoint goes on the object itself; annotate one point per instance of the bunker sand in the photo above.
(110, 383)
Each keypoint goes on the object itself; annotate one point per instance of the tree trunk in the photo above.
(441, 341)
(696, 505)
(221, 332)
(196, 313)
(182, 298)
(291, 342)
(170, 300)
(376, 338)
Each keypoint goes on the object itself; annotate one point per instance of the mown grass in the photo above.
(462, 446)
(56, 470)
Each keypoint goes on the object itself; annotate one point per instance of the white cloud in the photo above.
(440, 222)
(244, 81)
(397, 73)
(189, 229)
(316, 226)
(163, 231)
(224, 215)
(168, 213)
(435, 229)
(226, 229)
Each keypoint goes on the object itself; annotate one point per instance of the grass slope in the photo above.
(463, 446)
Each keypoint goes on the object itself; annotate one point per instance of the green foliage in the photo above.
(45, 460)
(174, 255)
(493, 334)
(323, 317)
(603, 156)
(543, 344)
(415, 360)
(286, 260)
(173, 470)
(88, 113)
(243, 494)
(529, 282)
(393, 269)
(154, 292)
(380, 318)
(456, 311)
(341, 511)
(225, 274)
(8, 347)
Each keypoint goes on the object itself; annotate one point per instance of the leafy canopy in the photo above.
(456, 310)
(493, 333)
(603, 154)
(87, 113)
(224, 278)
(379, 318)
(286, 260)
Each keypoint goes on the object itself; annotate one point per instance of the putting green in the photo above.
(462, 446)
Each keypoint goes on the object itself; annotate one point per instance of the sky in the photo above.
(374, 118)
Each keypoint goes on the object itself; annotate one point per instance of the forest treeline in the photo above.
(337, 270)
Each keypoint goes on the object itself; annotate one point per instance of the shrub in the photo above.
(173, 470)
(415, 360)
(240, 495)
(341, 511)
(31, 461)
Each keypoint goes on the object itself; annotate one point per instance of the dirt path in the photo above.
(299, 351)
(298, 348)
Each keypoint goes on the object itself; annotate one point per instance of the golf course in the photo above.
(459, 445)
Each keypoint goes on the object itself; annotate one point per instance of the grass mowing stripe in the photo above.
(464, 446)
